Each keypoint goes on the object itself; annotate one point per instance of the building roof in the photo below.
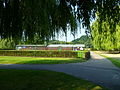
(54, 45)
(66, 45)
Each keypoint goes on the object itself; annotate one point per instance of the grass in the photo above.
(35, 60)
(42, 80)
(116, 62)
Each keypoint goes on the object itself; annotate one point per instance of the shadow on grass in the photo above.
(42, 80)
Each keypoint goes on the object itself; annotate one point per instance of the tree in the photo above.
(83, 40)
(7, 44)
(58, 42)
(105, 40)
(28, 18)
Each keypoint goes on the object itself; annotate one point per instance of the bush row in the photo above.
(39, 53)
(83, 54)
(70, 54)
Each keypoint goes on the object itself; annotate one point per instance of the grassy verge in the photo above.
(116, 62)
(35, 60)
(42, 80)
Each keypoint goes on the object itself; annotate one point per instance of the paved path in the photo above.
(98, 70)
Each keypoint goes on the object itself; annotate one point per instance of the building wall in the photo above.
(67, 48)
(51, 48)
(40, 48)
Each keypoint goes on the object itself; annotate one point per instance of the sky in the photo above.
(70, 37)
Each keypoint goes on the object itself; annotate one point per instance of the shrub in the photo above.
(39, 53)
(83, 54)
(87, 55)
(70, 54)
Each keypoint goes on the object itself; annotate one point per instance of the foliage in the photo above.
(7, 44)
(69, 54)
(83, 40)
(26, 19)
(83, 54)
(58, 42)
(42, 80)
(105, 40)
(87, 55)
(39, 53)
(34, 18)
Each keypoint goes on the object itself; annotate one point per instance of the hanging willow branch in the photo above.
(28, 19)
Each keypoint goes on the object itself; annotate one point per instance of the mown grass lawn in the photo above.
(42, 80)
(35, 60)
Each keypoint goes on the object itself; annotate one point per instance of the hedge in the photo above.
(83, 54)
(70, 54)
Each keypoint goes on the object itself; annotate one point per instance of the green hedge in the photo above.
(39, 53)
(71, 54)
(87, 55)
(83, 54)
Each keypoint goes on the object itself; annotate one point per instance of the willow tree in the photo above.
(26, 19)
(105, 40)
(7, 44)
